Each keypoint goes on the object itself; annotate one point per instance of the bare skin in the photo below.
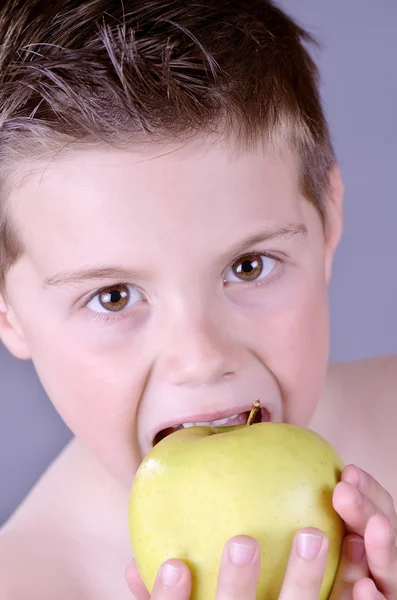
(184, 270)
(55, 531)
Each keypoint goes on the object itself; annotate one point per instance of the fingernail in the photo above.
(353, 477)
(392, 532)
(355, 549)
(361, 478)
(309, 545)
(242, 553)
(170, 575)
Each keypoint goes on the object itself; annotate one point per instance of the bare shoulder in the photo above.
(356, 377)
(67, 539)
(27, 569)
(33, 549)
(362, 415)
(361, 392)
(364, 394)
(9, 570)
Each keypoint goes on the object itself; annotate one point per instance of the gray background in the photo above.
(358, 65)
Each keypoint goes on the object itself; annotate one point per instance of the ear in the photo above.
(11, 333)
(333, 218)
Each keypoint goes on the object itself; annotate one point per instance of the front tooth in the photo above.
(220, 422)
(198, 424)
(233, 416)
(211, 423)
(217, 423)
(223, 421)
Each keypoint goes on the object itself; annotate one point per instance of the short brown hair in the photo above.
(121, 71)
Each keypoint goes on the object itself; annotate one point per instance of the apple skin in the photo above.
(201, 486)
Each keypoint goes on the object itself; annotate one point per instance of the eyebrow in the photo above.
(95, 273)
(73, 277)
(298, 229)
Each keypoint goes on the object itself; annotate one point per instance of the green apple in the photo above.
(201, 486)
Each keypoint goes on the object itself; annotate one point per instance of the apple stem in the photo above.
(254, 411)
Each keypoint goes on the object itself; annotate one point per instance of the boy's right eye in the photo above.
(115, 298)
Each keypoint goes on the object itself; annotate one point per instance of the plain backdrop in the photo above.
(358, 66)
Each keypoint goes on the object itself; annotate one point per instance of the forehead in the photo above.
(197, 165)
(74, 197)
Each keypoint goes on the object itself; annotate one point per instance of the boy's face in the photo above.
(184, 329)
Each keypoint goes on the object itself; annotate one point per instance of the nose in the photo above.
(198, 353)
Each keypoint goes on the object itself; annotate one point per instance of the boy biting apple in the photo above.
(170, 208)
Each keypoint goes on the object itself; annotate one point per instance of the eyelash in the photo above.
(118, 316)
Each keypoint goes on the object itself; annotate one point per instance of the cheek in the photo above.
(96, 390)
(307, 351)
(295, 341)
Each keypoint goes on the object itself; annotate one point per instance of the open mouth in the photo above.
(262, 416)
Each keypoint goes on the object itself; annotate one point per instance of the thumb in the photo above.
(135, 583)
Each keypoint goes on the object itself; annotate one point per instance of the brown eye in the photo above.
(248, 268)
(251, 268)
(114, 298)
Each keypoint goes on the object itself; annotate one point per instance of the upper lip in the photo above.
(208, 416)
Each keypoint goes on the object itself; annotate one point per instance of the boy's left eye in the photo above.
(114, 299)
(251, 268)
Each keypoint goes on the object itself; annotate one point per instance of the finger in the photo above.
(135, 583)
(173, 581)
(353, 566)
(372, 489)
(382, 554)
(365, 589)
(306, 566)
(239, 569)
(354, 508)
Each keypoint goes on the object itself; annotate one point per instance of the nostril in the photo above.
(228, 374)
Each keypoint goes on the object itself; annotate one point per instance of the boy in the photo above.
(170, 209)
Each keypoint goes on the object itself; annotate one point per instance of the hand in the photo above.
(239, 572)
(368, 549)
(370, 517)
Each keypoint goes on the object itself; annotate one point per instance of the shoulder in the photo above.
(380, 366)
(358, 408)
(375, 377)
(8, 575)
(52, 547)
(26, 571)
(364, 397)
(34, 559)
(34, 549)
